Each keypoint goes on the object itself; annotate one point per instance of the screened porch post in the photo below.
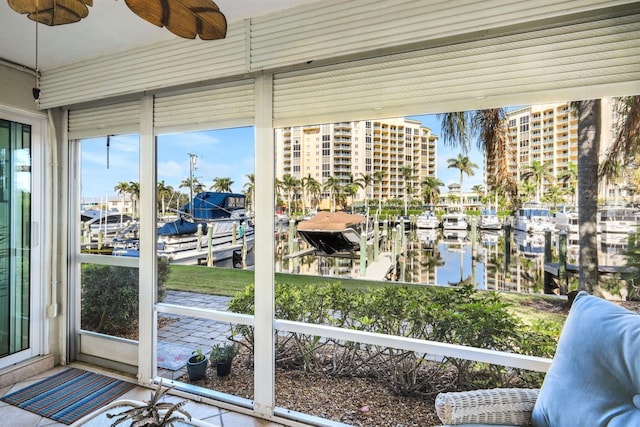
(264, 359)
(147, 269)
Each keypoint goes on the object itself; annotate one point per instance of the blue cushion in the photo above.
(594, 379)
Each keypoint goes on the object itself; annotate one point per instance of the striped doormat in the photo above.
(68, 395)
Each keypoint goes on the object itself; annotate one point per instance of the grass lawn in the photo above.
(229, 281)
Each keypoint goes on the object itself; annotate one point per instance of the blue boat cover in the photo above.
(208, 205)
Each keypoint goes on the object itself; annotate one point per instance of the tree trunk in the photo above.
(588, 152)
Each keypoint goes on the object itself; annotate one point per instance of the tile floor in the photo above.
(15, 417)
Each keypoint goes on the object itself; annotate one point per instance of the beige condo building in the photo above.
(347, 150)
(548, 134)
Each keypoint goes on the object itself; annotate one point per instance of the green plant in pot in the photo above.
(221, 356)
(197, 365)
(153, 413)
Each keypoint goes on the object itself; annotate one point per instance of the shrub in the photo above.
(460, 315)
(110, 297)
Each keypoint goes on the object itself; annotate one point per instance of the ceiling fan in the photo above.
(184, 18)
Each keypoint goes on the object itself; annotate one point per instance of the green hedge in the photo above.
(110, 297)
(459, 316)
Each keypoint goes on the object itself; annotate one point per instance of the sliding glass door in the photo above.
(15, 237)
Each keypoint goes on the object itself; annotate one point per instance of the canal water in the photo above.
(504, 260)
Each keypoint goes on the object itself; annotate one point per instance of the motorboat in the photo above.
(427, 219)
(454, 219)
(489, 220)
(212, 227)
(105, 224)
(490, 237)
(403, 221)
(336, 232)
(427, 237)
(618, 219)
(566, 219)
(529, 244)
(454, 236)
(533, 217)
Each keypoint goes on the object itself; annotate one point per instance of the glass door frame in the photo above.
(40, 278)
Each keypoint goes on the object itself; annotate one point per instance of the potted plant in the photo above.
(197, 365)
(222, 355)
(153, 413)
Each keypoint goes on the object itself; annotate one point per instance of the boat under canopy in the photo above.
(334, 232)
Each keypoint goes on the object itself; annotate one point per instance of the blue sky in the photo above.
(221, 153)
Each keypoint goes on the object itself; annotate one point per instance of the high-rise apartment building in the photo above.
(388, 149)
(548, 134)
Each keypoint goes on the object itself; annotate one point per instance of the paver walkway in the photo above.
(192, 332)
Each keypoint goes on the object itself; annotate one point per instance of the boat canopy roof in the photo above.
(214, 205)
(331, 221)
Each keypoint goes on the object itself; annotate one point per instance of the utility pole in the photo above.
(193, 158)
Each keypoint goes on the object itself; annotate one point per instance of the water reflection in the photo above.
(502, 260)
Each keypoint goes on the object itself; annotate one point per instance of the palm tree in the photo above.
(134, 190)
(164, 191)
(350, 190)
(489, 126)
(627, 130)
(465, 165)
(378, 176)
(478, 189)
(297, 194)
(407, 176)
(367, 180)
(313, 189)
(223, 185)
(194, 185)
(553, 195)
(589, 123)
(570, 179)
(277, 186)
(352, 185)
(198, 187)
(612, 179)
(289, 184)
(431, 189)
(538, 172)
(527, 189)
(122, 188)
(499, 192)
(250, 189)
(626, 145)
(332, 184)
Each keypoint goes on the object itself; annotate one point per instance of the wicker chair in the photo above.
(594, 379)
(499, 406)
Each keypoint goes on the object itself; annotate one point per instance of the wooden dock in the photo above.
(378, 270)
(553, 268)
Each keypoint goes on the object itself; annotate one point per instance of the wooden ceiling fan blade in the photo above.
(52, 12)
(210, 22)
(184, 18)
(149, 10)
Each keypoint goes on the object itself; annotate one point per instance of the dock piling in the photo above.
(199, 234)
(363, 254)
(547, 246)
(376, 239)
(210, 247)
(562, 255)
